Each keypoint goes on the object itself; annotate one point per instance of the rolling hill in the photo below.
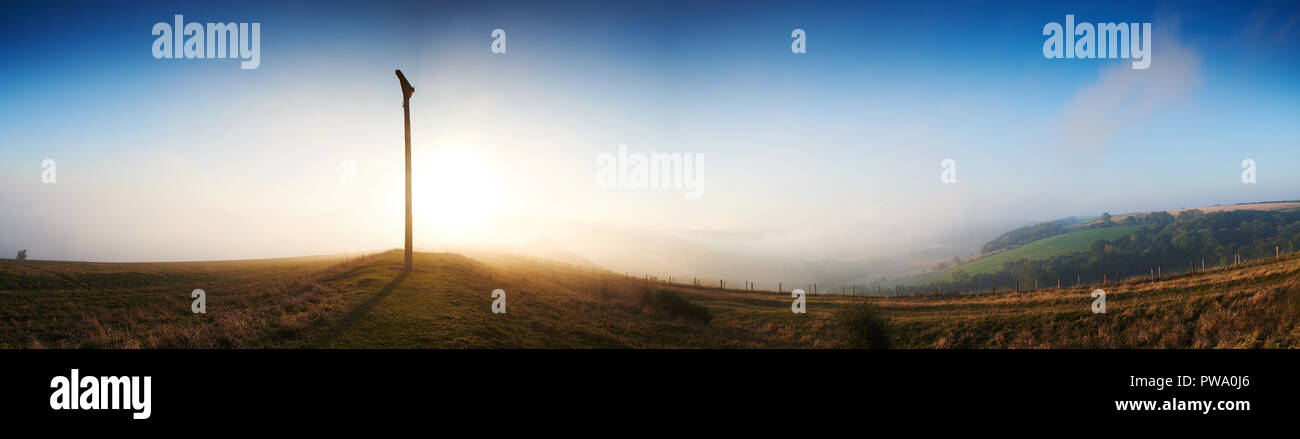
(1037, 250)
(366, 302)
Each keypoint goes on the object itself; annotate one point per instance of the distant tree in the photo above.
(22, 254)
(959, 276)
(1105, 217)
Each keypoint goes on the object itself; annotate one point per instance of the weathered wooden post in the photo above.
(407, 92)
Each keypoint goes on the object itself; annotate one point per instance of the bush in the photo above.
(864, 326)
(670, 304)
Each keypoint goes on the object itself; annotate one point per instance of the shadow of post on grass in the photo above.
(350, 319)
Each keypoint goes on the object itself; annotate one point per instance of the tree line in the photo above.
(1172, 243)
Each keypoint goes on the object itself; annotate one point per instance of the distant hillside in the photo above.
(1056, 238)
(1263, 206)
(1046, 248)
(1037, 250)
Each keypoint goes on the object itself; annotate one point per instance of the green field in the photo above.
(1037, 250)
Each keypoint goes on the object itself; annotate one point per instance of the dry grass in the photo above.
(364, 302)
(147, 305)
(1256, 305)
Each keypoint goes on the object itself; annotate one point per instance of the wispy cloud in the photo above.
(1122, 98)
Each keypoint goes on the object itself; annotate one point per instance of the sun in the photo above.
(453, 191)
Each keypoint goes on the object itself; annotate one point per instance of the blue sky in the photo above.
(832, 153)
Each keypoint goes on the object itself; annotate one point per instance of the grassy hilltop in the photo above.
(365, 302)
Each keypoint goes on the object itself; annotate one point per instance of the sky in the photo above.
(829, 155)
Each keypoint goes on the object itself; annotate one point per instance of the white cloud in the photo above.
(1122, 98)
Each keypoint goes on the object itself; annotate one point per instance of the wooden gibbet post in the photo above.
(407, 92)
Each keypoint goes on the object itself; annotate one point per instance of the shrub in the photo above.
(864, 326)
(670, 304)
